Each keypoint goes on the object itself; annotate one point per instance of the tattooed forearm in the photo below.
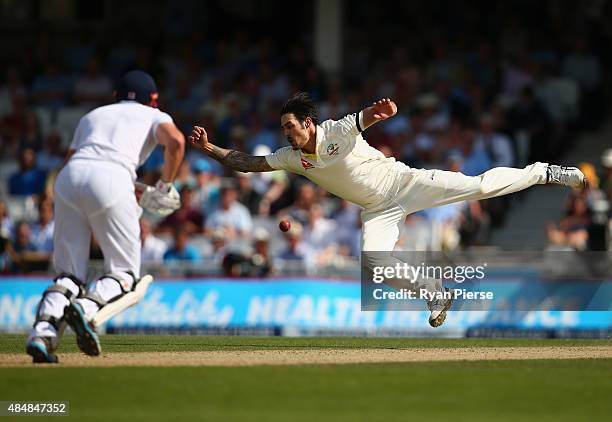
(237, 160)
(240, 161)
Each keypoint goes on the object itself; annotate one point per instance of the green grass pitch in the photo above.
(538, 390)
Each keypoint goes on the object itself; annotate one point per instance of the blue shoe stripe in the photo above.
(87, 338)
(39, 353)
(40, 347)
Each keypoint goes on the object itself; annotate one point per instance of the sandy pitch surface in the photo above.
(314, 357)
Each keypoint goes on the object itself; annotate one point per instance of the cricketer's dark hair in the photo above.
(301, 106)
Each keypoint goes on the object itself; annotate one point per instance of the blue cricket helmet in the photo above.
(137, 85)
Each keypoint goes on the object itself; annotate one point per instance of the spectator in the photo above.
(231, 216)
(7, 254)
(248, 196)
(274, 87)
(296, 249)
(24, 247)
(271, 186)
(153, 248)
(184, 103)
(219, 246)
(12, 127)
(260, 135)
(52, 88)
(334, 108)
(606, 163)
(12, 88)
(187, 216)
(31, 134)
(321, 234)
(261, 260)
(52, 156)
(560, 95)
(93, 88)
(347, 215)
(518, 74)
(593, 194)
(231, 128)
(475, 225)
(349, 236)
(469, 220)
(476, 161)
(217, 103)
(530, 126)
(496, 145)
(28, 180)
(182, 251)
(598, 209)
(258, 264)
(6, 223)
(445, 221)
(584, 68)
(573, 228)
(298, 211)
(42, 231)
(207, 194)
(237, 140)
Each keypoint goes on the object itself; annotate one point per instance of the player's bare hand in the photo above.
(198, 137)
(383, 109)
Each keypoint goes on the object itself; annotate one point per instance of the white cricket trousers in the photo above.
(420, 189)
(92, 197)
(96, 197)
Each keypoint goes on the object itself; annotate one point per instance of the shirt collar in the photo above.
(319, 139)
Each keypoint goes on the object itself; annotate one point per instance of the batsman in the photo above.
(95, 195)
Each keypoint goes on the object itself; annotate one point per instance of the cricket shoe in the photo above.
(42, 349)
(87, 338)
(566, 176)
(438, 308)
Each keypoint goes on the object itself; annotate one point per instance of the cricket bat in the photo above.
(126, 301)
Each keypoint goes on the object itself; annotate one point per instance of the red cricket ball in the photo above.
(284, 225)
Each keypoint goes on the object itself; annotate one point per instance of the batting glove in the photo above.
(163, 199)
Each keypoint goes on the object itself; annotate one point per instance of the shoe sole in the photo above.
(439, 320)
(39, 354)
(87, 339)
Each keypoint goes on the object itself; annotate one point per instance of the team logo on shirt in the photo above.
(332, 149)
(306, 164)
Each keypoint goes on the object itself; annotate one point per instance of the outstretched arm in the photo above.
(236, 160)
(377, 112)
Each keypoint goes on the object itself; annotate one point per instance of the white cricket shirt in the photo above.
(122, 133)
(344, 164)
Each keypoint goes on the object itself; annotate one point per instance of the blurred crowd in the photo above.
(467, 102)
(587, 222)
